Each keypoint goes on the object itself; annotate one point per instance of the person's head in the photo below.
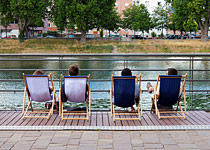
(73, 70)
(38, 72)
(172, 71)
(126, 72)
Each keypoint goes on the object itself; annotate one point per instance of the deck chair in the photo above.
(169, 96)
(123, 92)
(37, 89)
(75, 91)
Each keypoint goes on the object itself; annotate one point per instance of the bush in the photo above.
(153, 34)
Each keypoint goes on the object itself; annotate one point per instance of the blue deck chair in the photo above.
(37, 89)
(75, 91)
(123, 92)
(169, 95)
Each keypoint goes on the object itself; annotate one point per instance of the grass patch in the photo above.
(103, 46)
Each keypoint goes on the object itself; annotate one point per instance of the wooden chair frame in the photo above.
(87, 113)
(183, 113)
(118, 113)
(39, 111)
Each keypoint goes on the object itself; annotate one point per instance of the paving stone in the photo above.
(153, 146)
(137, 142)
(88, 142)
(187, 146)
(25, 143)
(72, 147)
(6, 146)
(32, 134)
(134, 134)
(58, 140)
(87, 148)
(5, 134)
(105, 144)
(171, 147)
(3, 139)
(123, 138)
(90, 135)
(203, 145)
(167, 141)
(122, 146)
(21, 147)
(105, 135)
(150, 138)
(47, 133)
(29, 138)
(56, 147)
(74, 142)
(138, 148)
(76, 135)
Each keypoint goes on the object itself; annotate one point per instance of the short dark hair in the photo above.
(38, 72)
(126, 72)
(73, 70)
(172, 71)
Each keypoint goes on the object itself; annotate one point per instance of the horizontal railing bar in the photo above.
(103, 69)
(102, 91)
(104, 59)
(94, 80)
(111, 54)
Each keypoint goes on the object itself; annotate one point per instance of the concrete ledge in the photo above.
(107, 128)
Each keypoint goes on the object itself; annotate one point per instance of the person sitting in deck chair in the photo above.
(73, 70)
(127, 72)
(170, 71)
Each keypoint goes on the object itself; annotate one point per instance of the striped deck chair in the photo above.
(169, 95)
(75, 91)
(37, 89)
(123, 92)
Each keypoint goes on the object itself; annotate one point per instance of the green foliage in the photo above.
(160, 17)
(26, 12)
(153, 34)
(137, 18)
(190, 25)
(82, 15)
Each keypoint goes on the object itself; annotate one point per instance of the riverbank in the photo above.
(102, 46)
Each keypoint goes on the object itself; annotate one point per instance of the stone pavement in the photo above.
(104, 140)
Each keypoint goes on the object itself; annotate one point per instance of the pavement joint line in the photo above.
(108, 128)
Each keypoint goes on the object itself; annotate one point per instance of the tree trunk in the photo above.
(6, 31)
(21, 36)
(204, 34)
(83, 36)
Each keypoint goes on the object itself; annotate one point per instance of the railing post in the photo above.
(190, 84)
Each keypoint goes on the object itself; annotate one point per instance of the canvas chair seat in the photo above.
(38, 90)
(169, 96)
(75, 91)
(122, 94)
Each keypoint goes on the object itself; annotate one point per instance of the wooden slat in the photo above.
(93, 119)
(10, 119)
(111, 122)
(105, 119)
(68, 122)
(6, 117)
(201, 120)
(153, 118)
(16, 119)
(204, 118)
(147, 119)
(99, 121)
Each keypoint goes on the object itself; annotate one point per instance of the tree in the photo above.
(160, 17)
(82, 15)
(200, 11)
(112, 21)
(25, 11)
(137, 18)
(190, 26)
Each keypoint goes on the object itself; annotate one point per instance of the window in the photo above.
(137, 2)
(126, 4)
(49, 25)
(159, 3)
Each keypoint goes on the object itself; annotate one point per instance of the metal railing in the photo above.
(125, 58)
